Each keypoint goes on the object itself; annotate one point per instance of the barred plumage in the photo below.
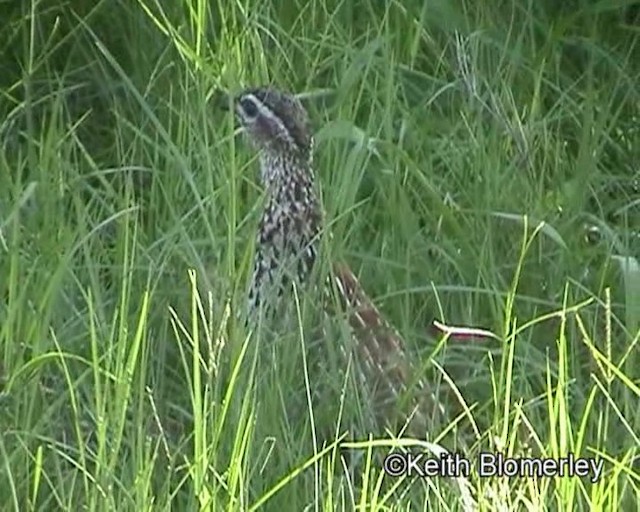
(286, 245)
(389, 374)
(277, 125)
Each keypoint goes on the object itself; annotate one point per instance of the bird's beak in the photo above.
(222, 100)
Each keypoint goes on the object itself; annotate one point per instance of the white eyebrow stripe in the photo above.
(265, 111)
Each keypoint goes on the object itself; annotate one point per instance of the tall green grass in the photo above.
(478, 164)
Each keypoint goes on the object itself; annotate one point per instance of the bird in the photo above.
(291, 225)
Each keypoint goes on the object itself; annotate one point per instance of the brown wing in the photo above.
(398, 394)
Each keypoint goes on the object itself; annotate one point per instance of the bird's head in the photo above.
(274, 121)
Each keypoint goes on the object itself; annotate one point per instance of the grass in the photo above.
(478, 163)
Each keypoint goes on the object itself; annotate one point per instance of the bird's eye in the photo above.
(249, 108)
